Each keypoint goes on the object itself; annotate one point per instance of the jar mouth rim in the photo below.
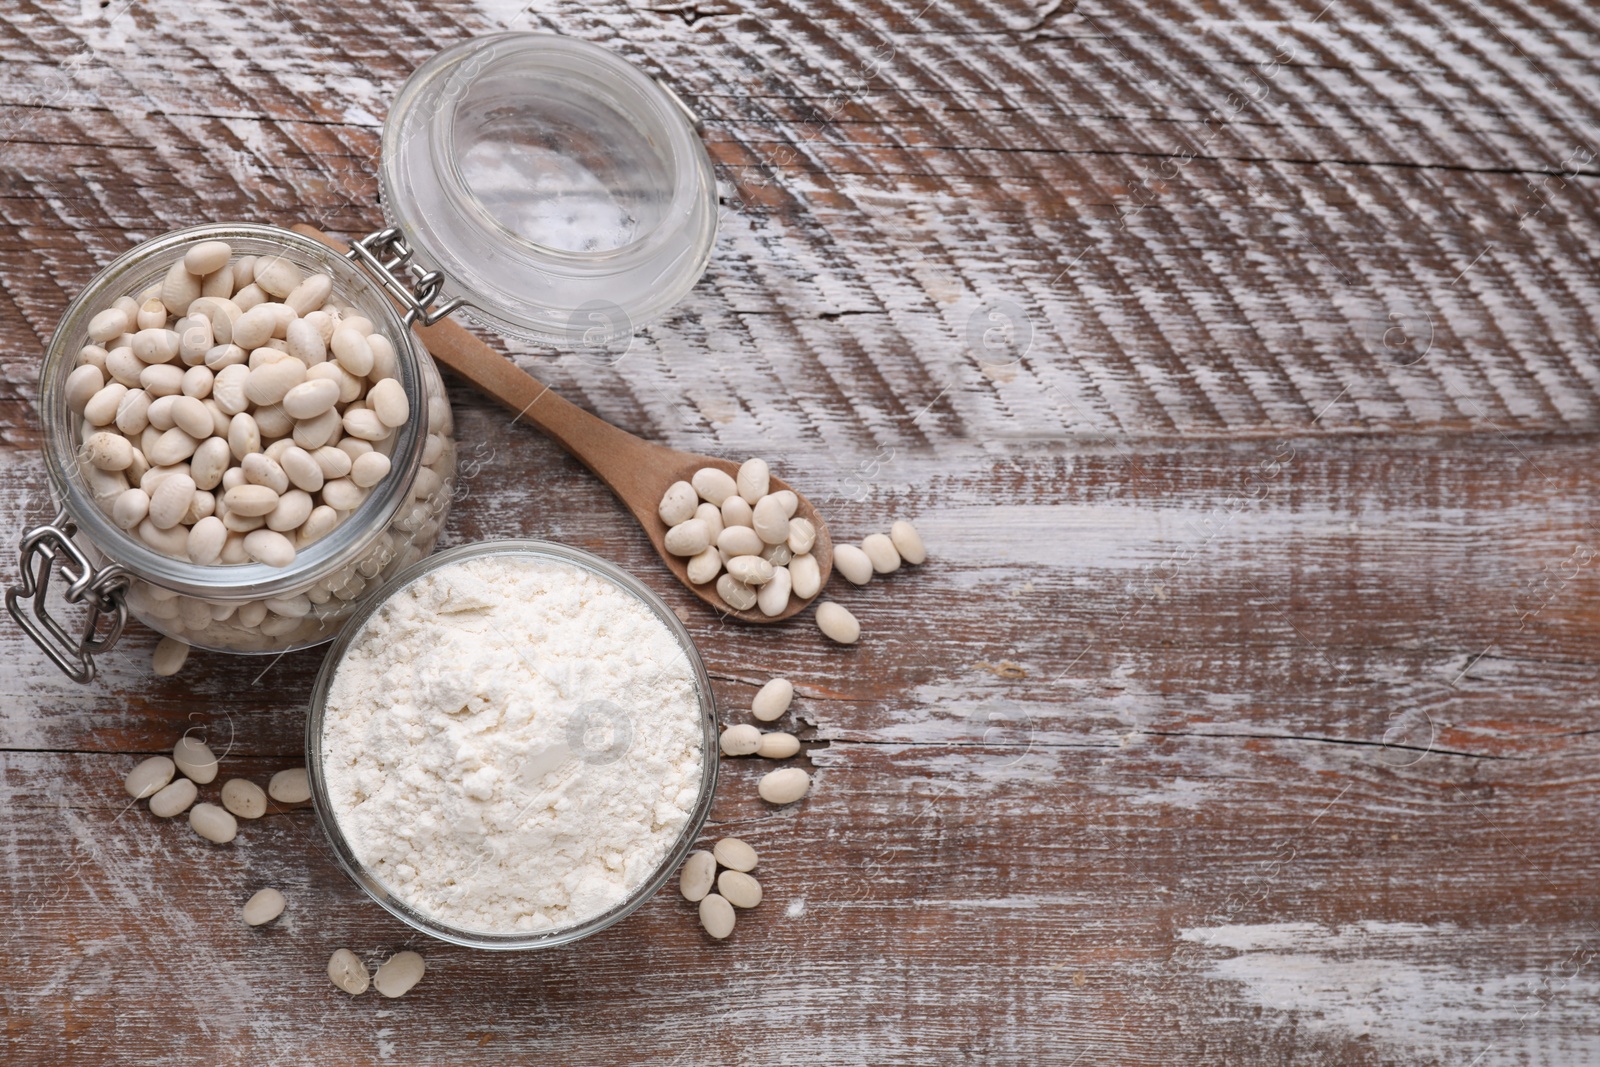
(561, 935)
(515, 284)
(217, 581)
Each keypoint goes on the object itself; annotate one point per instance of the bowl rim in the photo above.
(429, 924)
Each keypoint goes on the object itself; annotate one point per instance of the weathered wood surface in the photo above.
(1245, 712)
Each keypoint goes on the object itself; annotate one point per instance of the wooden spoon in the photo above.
(636, 470)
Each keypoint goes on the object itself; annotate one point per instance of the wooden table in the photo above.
(1237, 362)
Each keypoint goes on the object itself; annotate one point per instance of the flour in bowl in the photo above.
(512, 743)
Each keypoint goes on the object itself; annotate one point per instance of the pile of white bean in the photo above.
(734, 887)
(720, 522)
(247, 413)
(156, 780)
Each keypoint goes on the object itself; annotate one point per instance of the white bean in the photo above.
(881, 551)
(197, 382)
(269, 547)
(254, 328)
(837, 623)
(173, 446)
(369, 469)
(735, 855)
(195, 759)
(108, 451)
(101, 409)
(207, 257)
(244, 798)
(790, 502)
(713, 485)
(213, 823)
(269, 383)
(805, 574)
(149, 777)
(778, 745)
(350, 348)
(174, 799)
(802, 536)
(171, 501)
(209, 462)
(108, 325)
(736, 512)
(310, 294)
(908, 542)
(207, 538)
(244, 436)
(774, 596)
(124, 366)
(301, 469)
(771, 523)
(678, 503)
(777, 555)
(385, 364)
(290, 786)
(133, 411)
(740, 541)
(689, 538)
(751, 570)
(179, 289)
(82, 385)
(312, 434)
(306, 343)
(735, 594)
(130, 508)
(154, 346)
(347, 972)
(364, 424)
(854, 564)
(342, 494)
(740, 890)
(716, 916)
(773, 700)
(227, 389)
(754, 480)
(294, 508)
(783, 786)
(711, 515)
(192, 417)
(262, 469)
(698, 875)
(398, 974)
(174, 542)
(220, 356)
(263, 907)
(278, 276)
(388, 400)
(310, 398)
(704, 566)
(741, 739)
(335, 463)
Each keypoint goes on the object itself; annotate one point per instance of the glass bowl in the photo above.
(432, 924)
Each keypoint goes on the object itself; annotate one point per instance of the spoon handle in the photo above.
(630, 466)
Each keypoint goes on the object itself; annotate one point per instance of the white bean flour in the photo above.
(512, 743)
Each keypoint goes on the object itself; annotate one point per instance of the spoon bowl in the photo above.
(637, 471)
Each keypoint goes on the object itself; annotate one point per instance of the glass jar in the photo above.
(543, 184)
(246, 607)
(372, 884)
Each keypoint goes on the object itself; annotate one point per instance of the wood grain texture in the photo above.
(1236, 360)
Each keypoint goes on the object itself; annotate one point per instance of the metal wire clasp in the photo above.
(383, 254)
(102, 589)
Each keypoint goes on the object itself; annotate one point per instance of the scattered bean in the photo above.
(698, 875)
(741, 739)
(263, 907)
(347, 972)
(169, 657)
(716, 916)
(908, 542)
(837, 623)
(195, 759)
(772, 700)
(778, 745)
(173, 799)
(854, 564)
(244, 798)
(734, 854)
(291, 786)
(783, 786)
(398, 974)
(881, 551)
(149, 777)
(739, 889)
(213, 823)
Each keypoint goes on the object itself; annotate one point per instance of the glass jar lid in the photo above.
(565, 196)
